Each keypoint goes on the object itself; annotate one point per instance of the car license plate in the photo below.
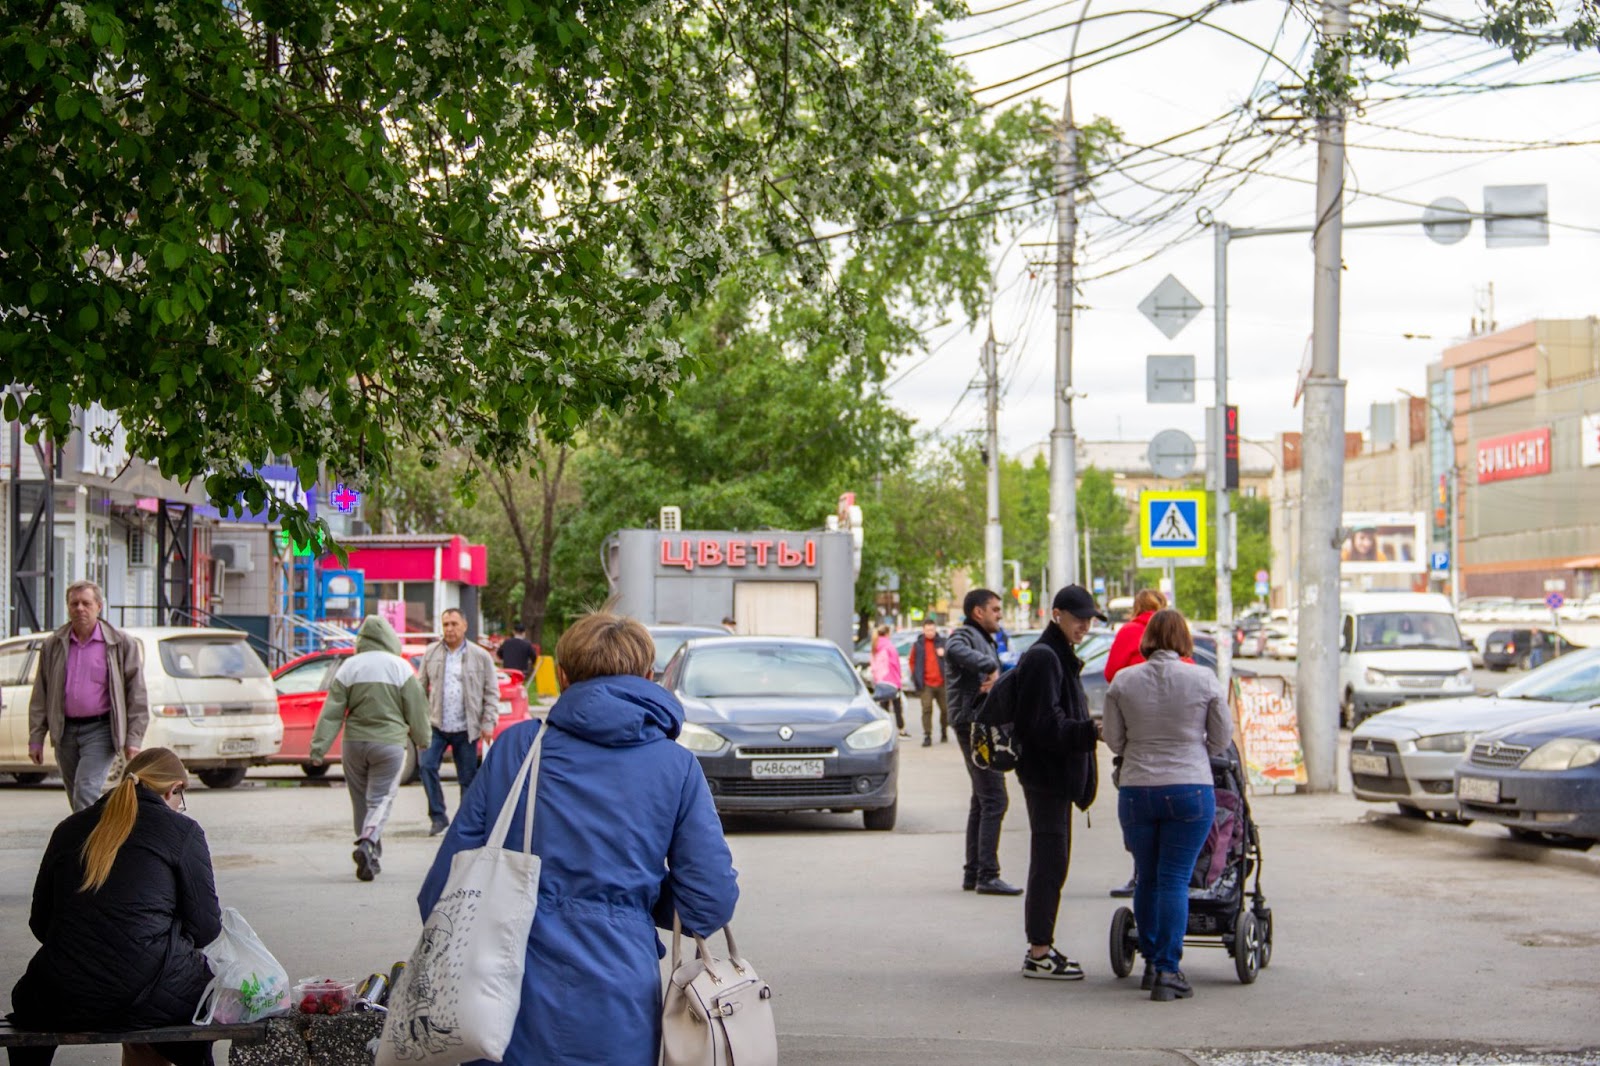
(786, 768)
(1478, 790)
(1497, 647)
(237, 746)
(1377, 765)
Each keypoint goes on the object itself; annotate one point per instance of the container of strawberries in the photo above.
(324, 995)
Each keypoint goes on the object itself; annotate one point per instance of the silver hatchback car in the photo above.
(1408, 755)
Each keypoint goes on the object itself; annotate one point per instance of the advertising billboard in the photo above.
(1384, 542)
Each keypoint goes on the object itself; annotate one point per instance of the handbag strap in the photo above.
(704, 951)
(528, 773)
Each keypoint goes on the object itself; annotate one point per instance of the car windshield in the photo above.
(1407, 629)
(1574, 679)
(198, 657)
(669, 641)
(768, 670)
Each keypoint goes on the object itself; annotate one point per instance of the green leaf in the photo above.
(38, 293)
(173, 255)
(88, 317)
(66, 107)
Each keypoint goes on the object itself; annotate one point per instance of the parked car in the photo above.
(1584, 610)
(1093, 653)
(302, 688)
(1484, 608)
(1505, 648)
(1539, 778)
(211, 702)
(785, 724)
(1408, 756)
(670, 638)
(1284, 643)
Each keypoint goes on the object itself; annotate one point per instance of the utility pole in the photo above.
(1088, 561)
(1218, 461)
(1063, 441)
(1322, 453)
(993, 576)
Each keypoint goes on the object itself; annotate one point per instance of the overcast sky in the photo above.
(1396, 281)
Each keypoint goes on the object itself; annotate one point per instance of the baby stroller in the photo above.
(1224, 909)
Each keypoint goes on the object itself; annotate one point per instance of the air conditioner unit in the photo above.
(671, 519)
(236, 554)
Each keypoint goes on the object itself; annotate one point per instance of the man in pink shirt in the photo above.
(89, 697)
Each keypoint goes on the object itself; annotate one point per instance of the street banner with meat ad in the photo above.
(1268, 732)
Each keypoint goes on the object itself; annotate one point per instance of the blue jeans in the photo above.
(465, 754)
(1165, 827)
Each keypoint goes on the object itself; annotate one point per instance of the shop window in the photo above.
(1479, 384)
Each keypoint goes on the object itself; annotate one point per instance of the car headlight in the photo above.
(699, 738)
(872, 735)
(1451, 742)
(1464, 677)
(1376, 677)
(1563, 753)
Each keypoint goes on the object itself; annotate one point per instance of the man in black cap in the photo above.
(972, 666)
(1057, 770)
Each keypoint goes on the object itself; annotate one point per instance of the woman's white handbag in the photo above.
(718, 1012)
(458, 997)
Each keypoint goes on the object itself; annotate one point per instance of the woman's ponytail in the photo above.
(155, 768)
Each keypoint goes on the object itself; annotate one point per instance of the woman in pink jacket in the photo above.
(887, 679)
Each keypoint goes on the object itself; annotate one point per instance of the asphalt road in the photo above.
(1397, 940)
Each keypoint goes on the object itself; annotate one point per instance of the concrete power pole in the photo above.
(1218, 463)
(993, 565)
(1063, 441)
(1322, 455)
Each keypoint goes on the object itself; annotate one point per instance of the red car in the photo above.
(302, 686)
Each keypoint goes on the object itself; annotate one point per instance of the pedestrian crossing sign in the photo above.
(1172, 525)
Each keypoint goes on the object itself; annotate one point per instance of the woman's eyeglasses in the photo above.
(183, 805)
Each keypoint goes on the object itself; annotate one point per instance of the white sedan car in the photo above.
(1408, 755)
(211, 702)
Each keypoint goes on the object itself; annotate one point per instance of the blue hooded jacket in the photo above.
(624, 821)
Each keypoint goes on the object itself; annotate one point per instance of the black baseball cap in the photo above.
(1078, 602)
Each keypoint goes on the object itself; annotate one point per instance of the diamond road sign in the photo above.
(1170, 307)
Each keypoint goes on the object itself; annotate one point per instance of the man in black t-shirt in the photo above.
(515, 651)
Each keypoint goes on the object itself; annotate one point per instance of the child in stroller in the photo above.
(1224, 909)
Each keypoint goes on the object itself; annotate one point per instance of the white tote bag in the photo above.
(458, 997)
(716, 1012)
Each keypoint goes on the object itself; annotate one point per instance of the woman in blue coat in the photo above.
(626, 831)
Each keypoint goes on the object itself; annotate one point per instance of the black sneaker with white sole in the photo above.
(366, 859)
(1052, 967)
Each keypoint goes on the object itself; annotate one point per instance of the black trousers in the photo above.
(1049, 852)
(984, 815)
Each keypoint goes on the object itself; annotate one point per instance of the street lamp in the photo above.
(1454, 503)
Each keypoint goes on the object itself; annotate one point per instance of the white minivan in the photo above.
(1398, 647)
(211, 701)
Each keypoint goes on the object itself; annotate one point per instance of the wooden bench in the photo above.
(10, 1036)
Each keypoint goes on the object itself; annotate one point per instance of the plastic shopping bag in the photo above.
(248, 984)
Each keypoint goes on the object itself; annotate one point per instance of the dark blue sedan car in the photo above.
(785, 724)
(1539, 778)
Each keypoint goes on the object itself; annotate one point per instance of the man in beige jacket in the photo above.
(89, 697)
(463, 704)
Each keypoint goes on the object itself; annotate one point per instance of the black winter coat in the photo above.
(1053, 726)
(969, 657)
(128, 955)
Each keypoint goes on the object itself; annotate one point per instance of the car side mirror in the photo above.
(1344, 642)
